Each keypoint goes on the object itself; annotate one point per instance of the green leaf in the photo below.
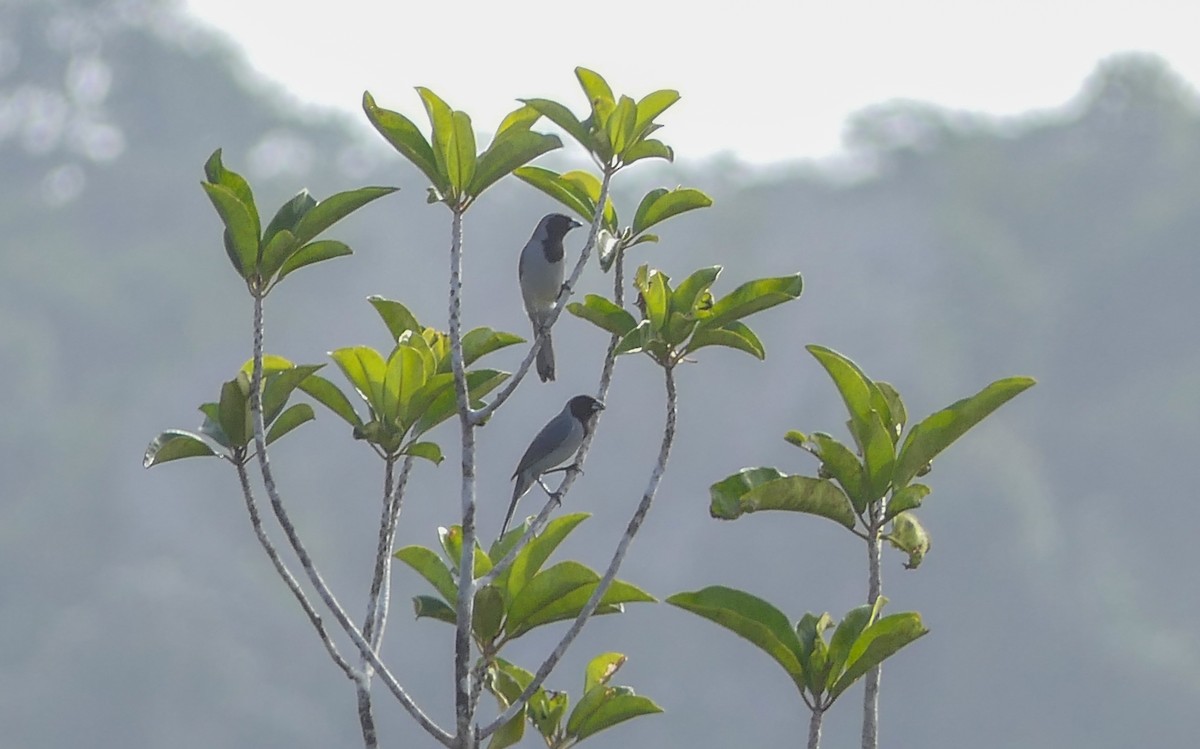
(365, 369)
(650, 106)
(570, 194)
(657, 298)
(216, 173)
(601, 669)
(510, 733)
(560, 592)
(605, 707)
(620, 124)
(937, 431)
(175, 444)
(430, 566)
(278, 386)
(434, 608)
(814, 651)
(854, 387)
(750, 617)
(563, 117)
(726, 494)
(595, 88)
(667, 205)
(508, 151)
(879, 456)
(690, 292)
(441, 121)
(876, 644)
(648, 149)
(521, 118)
(546, 711)
(799, 439)
(480, 382)
(234, 414)
(604, 314)
(529, 560)
(847, 633)
(842, 464)
(483, 341)
(735, 335)
(335, 208)
(277, 251)
(751, 297)
(241, 225)
(395, 316)
(908, 498)
(795, 494)
(590, 185)
(314, 252)
(679, 327)
(430, 451)
(634, 340)
(211, 427)
(405, 375)
(489, 613)
(909, 536)
(330, 396)
(289, 214)
(460, 153)
(897, 414)
(406, 138)
(289, 420)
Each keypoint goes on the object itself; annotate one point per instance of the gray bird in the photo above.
(555, 444)
(540, 272)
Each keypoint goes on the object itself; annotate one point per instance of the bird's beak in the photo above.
(575, 224)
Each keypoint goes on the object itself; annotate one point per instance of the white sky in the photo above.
(765, 79)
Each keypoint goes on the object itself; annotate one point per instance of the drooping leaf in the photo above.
(289, 420)
(563, 117)
(430, 566)
(819, 497)
(726, 494)
(936, 432)
(314, 252)
(604, 314)
(430, 451)
(750, 617)
(667, 205)
(429, 607)
(752, 297)
(570, 194)
(330, 396)
(909, 536)
(482, 341)
(908, 498)
(174, 444)
(735, 335)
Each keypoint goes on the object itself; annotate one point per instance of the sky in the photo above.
(763, 80)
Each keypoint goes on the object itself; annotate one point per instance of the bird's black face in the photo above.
(557, 225)
(584, 407)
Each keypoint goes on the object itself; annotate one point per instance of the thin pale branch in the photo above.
(298, 547)
(870, 725)
(478, 417)
(814, 729)
(286, 575)
(464, 605)
(396, 504)
(610, 574)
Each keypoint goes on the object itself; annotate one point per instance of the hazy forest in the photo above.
(136, 610)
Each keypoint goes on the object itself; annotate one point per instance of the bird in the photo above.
(558, 441)
(540, 272)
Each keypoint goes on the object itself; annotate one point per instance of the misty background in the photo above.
(946, 251)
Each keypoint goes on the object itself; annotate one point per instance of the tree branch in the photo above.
(464, 605)
(870, 725)
(610, 574)
(297, 545)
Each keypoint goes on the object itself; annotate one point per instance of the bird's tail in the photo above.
(545, 360)
(518, 492)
